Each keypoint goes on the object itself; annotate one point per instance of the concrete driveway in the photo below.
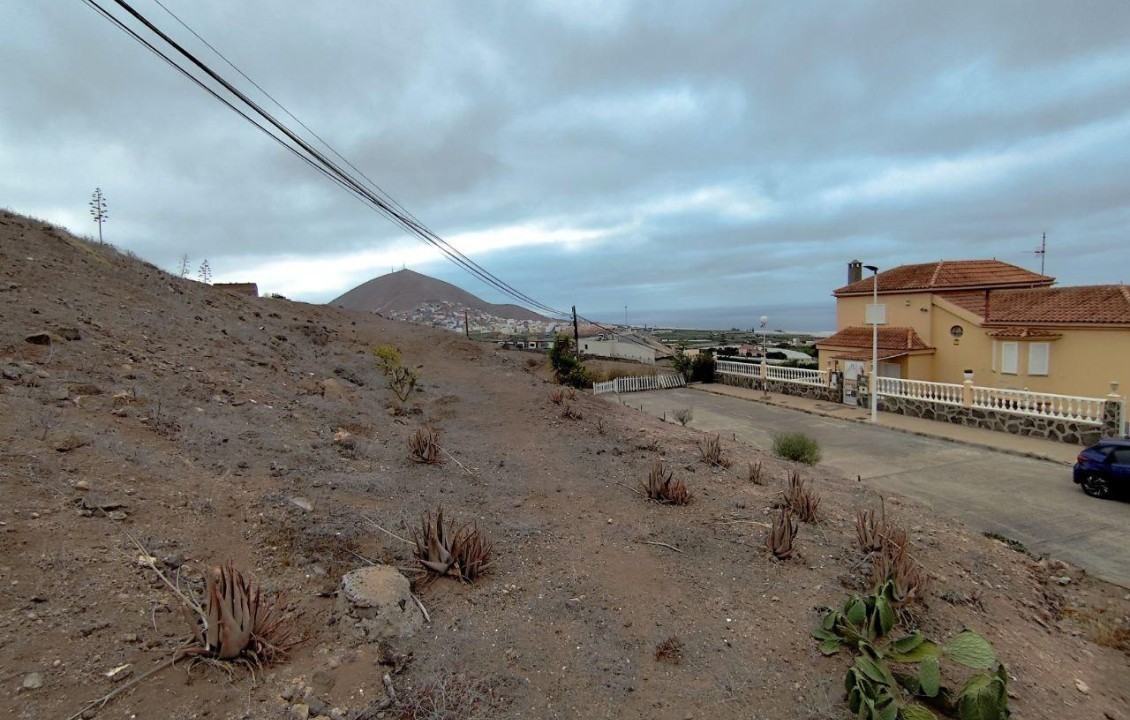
(1033, 501)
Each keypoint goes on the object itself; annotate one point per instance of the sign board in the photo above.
(876, 314)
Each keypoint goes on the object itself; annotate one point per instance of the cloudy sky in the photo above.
(711, 161)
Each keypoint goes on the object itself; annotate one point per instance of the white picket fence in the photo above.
(1058, 407)
(802, 376)
(637, 384)
(947, 393)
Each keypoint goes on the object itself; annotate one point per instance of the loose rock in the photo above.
(379, 600)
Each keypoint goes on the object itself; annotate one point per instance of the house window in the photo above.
(1038, 358)
(1010, 353)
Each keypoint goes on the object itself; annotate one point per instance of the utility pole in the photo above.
(466, 324)
(98, 210)
(576, 332)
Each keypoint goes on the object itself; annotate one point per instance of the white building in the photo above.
(620, 347)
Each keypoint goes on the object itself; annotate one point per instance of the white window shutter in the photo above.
(993, 362)
(1038, 358)
(1010, 352)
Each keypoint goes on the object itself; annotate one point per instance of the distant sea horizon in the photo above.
(799, 317)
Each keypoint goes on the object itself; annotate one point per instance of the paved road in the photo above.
(1033, 501)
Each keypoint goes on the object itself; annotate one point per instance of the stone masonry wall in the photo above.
(816, 392)
(1067, 431)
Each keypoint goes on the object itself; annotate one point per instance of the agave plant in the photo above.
(472, 554)
(663, 488)
(443, 550)
(756, 475)
(801, 500)
(870, 530)
(710, 452)
(423, 446)
(782, 534)
(908, 579)
(237, 620)
(436, 543)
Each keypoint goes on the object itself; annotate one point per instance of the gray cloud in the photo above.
(727, 154)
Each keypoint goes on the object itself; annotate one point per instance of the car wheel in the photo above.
(1096, 486)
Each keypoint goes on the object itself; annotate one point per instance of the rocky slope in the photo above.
(141, 409)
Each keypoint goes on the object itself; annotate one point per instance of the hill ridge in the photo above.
(403, 291)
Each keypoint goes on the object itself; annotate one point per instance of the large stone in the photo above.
(334, 389)
(379, 601)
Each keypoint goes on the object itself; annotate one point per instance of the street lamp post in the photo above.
(874, 389)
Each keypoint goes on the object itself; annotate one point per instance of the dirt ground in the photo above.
(192, 421)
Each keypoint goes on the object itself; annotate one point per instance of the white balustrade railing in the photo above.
(727, 367)
(637, 384)
(946, 393)
(802, 376)
(1058, 407)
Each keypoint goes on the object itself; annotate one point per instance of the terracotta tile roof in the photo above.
(1023, 332)
(948, 274)
(1079, 305)
(890, 338)
(866, 354)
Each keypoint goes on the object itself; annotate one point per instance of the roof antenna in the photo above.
(1042, 251)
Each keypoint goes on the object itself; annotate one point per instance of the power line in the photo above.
(368, 192)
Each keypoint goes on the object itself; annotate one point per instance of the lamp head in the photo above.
(872, 268)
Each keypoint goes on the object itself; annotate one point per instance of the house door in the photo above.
(852, 370)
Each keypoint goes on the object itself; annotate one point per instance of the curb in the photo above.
(919, 433)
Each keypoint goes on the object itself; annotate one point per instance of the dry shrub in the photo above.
(756, 474)
(423, 446)
(782, 534)
(670, 650)
(710, 452)
(801, 500)
(571, 413)
(557, 397)
(663, 488)
(1103, 627)
(599, 425)
(571, 394)
(443, 550)
(449, 696)
(683, 416)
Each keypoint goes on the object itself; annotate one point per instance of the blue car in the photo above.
(1103, 469)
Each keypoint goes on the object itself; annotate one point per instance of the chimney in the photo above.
(855, 271)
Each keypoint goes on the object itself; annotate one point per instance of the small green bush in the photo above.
(796, 446)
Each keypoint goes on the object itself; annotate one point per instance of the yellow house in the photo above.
(1007, 325)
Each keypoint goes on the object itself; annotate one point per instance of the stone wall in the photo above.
(1074, 433)
(816, 392)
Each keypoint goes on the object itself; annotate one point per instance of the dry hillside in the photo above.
(405, 290)
(200, 424)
